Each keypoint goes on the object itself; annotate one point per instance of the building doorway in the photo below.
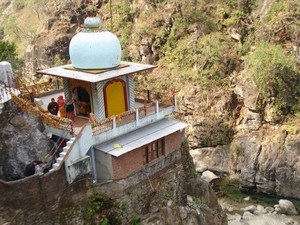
(115, 97)
(83, 102)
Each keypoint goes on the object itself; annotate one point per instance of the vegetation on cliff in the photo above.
(200, 42)
(202, 49)
(8, 52)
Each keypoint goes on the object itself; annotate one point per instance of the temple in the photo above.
(125, 132)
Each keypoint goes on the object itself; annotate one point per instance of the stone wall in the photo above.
(33, 194)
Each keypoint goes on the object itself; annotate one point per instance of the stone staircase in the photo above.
(62, 155)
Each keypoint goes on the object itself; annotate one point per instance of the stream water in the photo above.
(227, 191)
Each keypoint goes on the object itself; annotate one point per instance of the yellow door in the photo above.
(115, 98)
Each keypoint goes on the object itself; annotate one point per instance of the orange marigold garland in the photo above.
(49, 119)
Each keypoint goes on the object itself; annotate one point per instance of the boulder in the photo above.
(287, 207)
(215, 159)
(250, 208)
(209, 176)
(269, 209)
(247, 198)
(247, 215)
(260, 210)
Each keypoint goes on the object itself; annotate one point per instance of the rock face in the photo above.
(21, 142)
(201, 207)
(266, 155)
(168, 198)
(204, 130)
(263, 153)
(262, 159)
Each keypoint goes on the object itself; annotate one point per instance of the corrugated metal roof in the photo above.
(145, 135)
(61, 71)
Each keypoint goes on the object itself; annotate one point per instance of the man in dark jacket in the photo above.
(53, 107)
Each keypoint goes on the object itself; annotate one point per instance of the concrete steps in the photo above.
(62, 154)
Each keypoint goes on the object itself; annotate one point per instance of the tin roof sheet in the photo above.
(63, 71)
(142, 136)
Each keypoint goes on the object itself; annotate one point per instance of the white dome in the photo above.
(93, 48)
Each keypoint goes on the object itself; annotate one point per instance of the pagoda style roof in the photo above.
(95, 75)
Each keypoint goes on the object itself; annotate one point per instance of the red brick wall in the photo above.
(128, 163)
(173, 142)
(134, 160)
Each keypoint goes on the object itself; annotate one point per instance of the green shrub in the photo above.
(8, 50)
(235, 147)
(124, 206)
(135, 219)
(210, 59)
(235, 17)
(279, 6)
(276, 75)
(124, 20)
(291, 128)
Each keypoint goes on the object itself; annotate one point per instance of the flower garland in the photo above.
(163, 98)
(49, 119)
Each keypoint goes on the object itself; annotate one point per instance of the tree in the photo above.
(8, 52)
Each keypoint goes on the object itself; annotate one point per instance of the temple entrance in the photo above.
(115, 97)
(83, 102)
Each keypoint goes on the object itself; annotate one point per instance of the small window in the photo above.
(154, 150)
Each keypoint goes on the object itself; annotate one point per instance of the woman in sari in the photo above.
(62, 109)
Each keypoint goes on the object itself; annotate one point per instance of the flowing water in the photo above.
(227, 191)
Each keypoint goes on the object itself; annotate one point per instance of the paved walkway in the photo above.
(44, 101)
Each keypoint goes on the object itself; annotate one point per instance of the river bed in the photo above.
(233, 202)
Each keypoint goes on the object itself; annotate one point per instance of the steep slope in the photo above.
(209, 51)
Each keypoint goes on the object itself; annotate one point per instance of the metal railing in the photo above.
(148, 109)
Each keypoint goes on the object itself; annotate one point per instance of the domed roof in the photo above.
(93, 48)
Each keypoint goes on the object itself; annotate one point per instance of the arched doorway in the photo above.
(83, 101)
(115, 97)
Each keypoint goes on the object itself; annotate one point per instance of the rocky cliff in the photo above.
(240, 123)
(21, 142)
